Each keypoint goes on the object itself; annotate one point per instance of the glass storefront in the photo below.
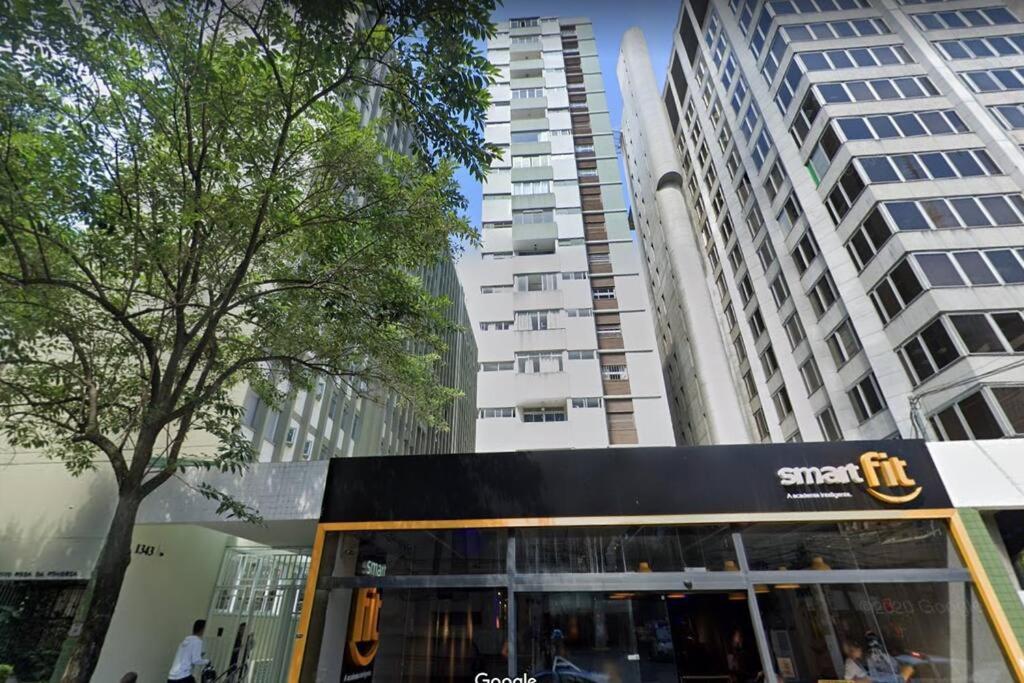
(880, 601)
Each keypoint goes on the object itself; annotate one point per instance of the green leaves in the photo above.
(191, 197)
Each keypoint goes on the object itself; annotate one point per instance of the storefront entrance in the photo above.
(806, 583)
(636, 637)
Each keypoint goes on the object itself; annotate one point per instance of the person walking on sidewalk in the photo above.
(189, 655)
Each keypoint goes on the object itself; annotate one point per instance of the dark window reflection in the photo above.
(922, 544)
(456, 551)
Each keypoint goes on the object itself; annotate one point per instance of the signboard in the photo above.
(770, 478)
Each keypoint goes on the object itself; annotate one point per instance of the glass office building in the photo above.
(770, 559)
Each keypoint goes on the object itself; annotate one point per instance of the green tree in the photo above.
(190, 200)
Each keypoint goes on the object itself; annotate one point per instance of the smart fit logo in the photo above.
(883, 476)
(881, 469)
(363, 635)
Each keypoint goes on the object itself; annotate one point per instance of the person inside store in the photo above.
(877, 666)
(853, 665)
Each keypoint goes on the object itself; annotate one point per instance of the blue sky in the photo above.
(611, 19)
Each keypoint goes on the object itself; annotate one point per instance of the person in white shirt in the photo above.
(189, 655)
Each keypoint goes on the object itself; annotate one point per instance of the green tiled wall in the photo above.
(1003, 581)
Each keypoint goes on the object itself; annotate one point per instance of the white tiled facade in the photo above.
(851, 176)
(556, 294)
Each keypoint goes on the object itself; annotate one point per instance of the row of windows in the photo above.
(848, 91)
(820, 30)
(928, 214)
(783, 7)
(976, 48)
(882, 55)
(972, 268)
(950, 337)
(965, 18)
(539, 135)
(527, 93)
(995, 80)
(964, 163)
(532, 187)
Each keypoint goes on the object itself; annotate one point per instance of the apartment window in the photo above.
(726, 230)
(769, 363)
(845, 193)
(766, 255)
(730, 316)
(896, 291)
(843, 343)
(581, 355)
(524, 23)
(496, 325)
(866, 398)
(575, 275)
(531, 187)
(827, 30)
(946, 19)
(754, 221)
(762, 147)
(805, 252)
(774, 181)
(735, 259)
(779, 290)
(974, 416)
(614, 372)
(981, 47)
(580, 312)
(536, 282)
(734, 163)
(811, 376)
(495, 289)
(531, 160)
(496, 255)
(989, 332)
(536, 320)
(748, 382)
(746, 290)
(535, 362)
(498, 366)
(909, 87)
(956, 212)
(790, 212)
(756, 320)
(995, 80)
(289, 436)
(739, 94)
(866, 240)
(741, 353)
(762, 424)
(794, 330)
(972, 268)
(822, 295)
(928, 352)
(307, 448)
(806, 114)
(894, 168)
(861, 57)
(1011, 116)
(829, 426)
(526, 93)
(904, 125)
(544, 415)
(531, 135)
(586, 403)
(783, 407)
(603, 293)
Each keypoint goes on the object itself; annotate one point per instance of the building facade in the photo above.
(190, 562)
(566, 342)
(850, 173)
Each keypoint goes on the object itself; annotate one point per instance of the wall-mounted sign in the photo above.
(363, 639)
(882, 476)
(797, 477)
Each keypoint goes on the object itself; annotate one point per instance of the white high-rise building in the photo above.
(567, 350)
(828, 196)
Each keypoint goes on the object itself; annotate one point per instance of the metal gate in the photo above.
(34, 620)
(255, 611)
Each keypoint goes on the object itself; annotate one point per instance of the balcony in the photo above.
(534, 238)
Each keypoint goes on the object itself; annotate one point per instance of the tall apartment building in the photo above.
(848, 176)
(566, 342)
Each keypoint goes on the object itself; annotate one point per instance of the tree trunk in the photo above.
(107, 578)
